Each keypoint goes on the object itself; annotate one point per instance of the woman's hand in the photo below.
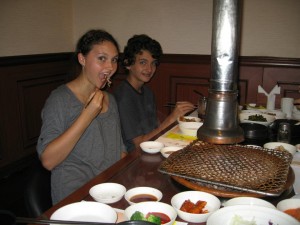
(94, 104)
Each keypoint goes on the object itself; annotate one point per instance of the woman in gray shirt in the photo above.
(81, 134)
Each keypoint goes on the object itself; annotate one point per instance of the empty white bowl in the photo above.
(107, 192)
(151, 147)
(167, 151)
(213, 204)
(275, 145)
(190, 128)
(248, 201)
(86, 211)
(152, 207)
(142, 194)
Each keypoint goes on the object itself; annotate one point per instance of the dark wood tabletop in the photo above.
(138, 169)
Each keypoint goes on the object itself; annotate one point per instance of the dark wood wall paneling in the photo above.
(26, 82)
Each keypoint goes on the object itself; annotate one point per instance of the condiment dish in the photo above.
(212, 204)
(151, 147)
(162, 209)
(290, 206)
(188, 119)
(167, 151)
(142, 194)
(107, 192)
(281, 146)
(248, 201)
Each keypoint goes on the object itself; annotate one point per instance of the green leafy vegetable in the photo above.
(154, 219)
(138, 216)
(151, 218)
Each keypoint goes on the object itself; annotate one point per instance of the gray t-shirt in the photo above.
(137, 112)
(99, 147)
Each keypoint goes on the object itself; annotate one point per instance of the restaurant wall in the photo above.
(35, 27)
(269, 27)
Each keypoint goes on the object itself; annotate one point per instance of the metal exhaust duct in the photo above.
(221, 124)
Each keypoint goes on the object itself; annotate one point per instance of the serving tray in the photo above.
(262, 172)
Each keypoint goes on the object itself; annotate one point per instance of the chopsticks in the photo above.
(173, 105)
(62, 222)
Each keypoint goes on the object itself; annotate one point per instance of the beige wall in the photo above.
(35, 26)
(269, 27)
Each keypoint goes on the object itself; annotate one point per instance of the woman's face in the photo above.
(143, 68)
(100, 63)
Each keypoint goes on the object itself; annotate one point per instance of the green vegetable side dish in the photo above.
(257, 117)
(151, 218)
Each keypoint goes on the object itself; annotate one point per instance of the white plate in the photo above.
(86, 211)
(260, 215)
(107, 192)
(244, 118)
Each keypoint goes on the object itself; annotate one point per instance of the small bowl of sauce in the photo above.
(143, 194)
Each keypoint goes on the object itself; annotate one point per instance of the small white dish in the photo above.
(152, 207)
(248, 201)
(277, 145)
(290, 204)
(151, 147)
(167, 151)
(86, 211)
(107, 192)
(142, 194)
(188, 119)
(190, 128)
(212, 204)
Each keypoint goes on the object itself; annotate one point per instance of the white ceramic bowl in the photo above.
(213, 204)
(151, 147)
(147, 207)
(188, 119)
(190, 128)
(167, 151)
(107, 192)
(138, 194)
(273, 145)
(86, 211)
(248, 201)
(244, 118)
(256, 214)
(292, 203)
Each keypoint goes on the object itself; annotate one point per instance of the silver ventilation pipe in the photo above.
(221, 125)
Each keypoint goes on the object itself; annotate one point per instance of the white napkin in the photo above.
(271, 96)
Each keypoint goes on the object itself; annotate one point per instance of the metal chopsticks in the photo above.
(61, 222)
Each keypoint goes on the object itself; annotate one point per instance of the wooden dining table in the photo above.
(139, 169)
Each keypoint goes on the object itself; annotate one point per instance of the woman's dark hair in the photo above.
(136, 45)
(91, 38)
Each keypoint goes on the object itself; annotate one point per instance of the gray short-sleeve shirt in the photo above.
(99, 147)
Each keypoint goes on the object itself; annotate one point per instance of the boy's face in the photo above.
(144, 67)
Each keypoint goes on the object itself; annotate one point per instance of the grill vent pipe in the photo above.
(221, 125)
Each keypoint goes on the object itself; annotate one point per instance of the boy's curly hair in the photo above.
(136, 45)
